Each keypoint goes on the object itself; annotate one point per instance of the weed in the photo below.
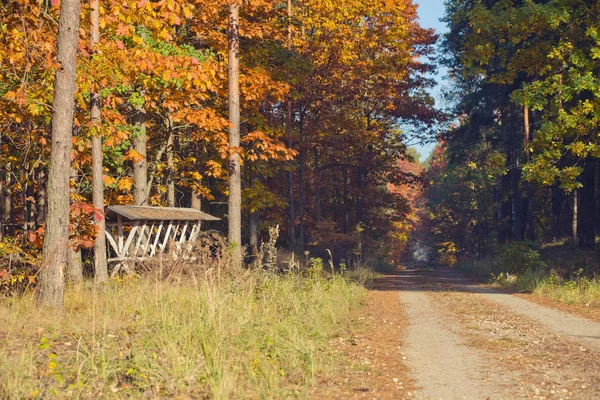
(254, 335)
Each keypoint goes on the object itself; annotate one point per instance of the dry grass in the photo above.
(258, 335)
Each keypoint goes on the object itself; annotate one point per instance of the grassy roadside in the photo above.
(557, 272)
(258, 336)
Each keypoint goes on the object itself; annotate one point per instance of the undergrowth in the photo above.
(252, 335)
(550, 272)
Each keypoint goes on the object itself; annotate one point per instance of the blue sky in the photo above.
(430, 12)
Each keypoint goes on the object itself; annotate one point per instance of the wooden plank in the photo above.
(156, 239)
(183, 231)
(167, 235)
(146, 247)
(112, 242)
(140, 238)
(120, 229)
(130, 237)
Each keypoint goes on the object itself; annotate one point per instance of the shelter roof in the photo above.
(138, 213)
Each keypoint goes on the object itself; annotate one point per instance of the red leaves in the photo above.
(82, 227)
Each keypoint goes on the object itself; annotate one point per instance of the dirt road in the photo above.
(467, 341)
(431, 333)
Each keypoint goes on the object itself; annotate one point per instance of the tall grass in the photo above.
(256, 336)
(577, 289)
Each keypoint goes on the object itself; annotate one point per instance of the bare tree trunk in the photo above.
(318, 211)
(140, 168)
(254, 222)
(29, 202)
(530, 232)
(196, 200)
(100, 263)
(359, 195)
(301, 166)
(41, 200)
(291, 180)
(56, 243)
(1, 208)
(74, 265)
(7, 205)
(235, 178)
(575, 228)
(288, 127)
(586, 207)
(170, 167)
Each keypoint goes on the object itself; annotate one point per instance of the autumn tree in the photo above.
(56, 241)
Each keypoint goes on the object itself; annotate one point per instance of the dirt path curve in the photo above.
(572, 326)
(467, 341)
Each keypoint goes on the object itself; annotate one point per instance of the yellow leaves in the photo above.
(108, 180)
(134, 156)
(125, 183)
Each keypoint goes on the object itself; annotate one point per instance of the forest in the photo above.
(328, 96)
(295, 125)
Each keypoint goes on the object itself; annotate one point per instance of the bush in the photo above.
(519, 257)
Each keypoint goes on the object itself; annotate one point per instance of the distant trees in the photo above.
(521, 164)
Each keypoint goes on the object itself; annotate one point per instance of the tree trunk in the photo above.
(359, 196)
(170, 166)
(100, 262)
(74, 265)
(291, 180)
(528, 207)
(586, 208)
(346, 200)
(318, 210)
(7, 204)
(301, 186)
(29, 202)
(196, 200)
(1, 208)
(235, 178)
(517, 205)
(253, 227)
(288, 127)
(140, 168)
(575, 227)
(56, 243)
(41, 200)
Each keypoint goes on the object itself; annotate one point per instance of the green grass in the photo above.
(575, 290)
(256, 336)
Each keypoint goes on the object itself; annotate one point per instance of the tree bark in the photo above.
(196, 200)
(74, 264)
(359, 195)
(170, 166)
(254, 222)
(29, 201)
(100, 262)
(41, 199)
(301, 167)
(529, 231)
(140, 168)
(7, 204)
(575, 227)
(288, 127)
(318, 210)
(1, 208)
(586, 208)
(235, 178)
(56, 243)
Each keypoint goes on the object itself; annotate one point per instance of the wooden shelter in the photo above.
(137, 233)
